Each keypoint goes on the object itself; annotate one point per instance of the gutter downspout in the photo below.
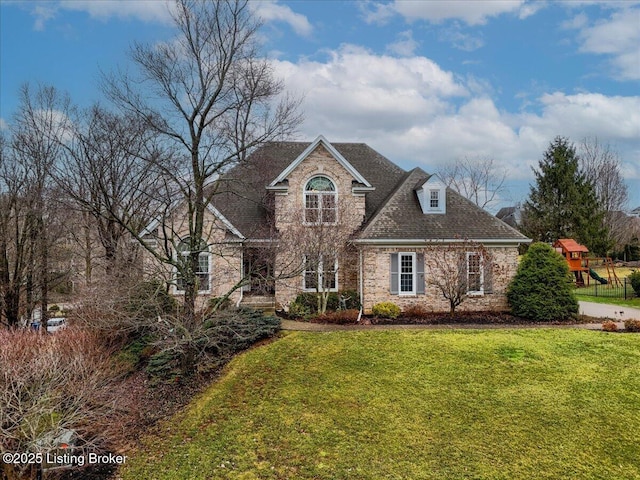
(360, 283)
(241, 277)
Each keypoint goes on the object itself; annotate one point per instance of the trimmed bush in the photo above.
(386, 310)
(416, 311)
(632, 325)
(634, 278)
(609, 326)
(542, 289)
(340, 317)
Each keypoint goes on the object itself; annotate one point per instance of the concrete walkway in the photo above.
(596, 310)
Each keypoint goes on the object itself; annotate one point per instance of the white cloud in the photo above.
(270, 10)
(471, 12)
(42, 13)
(405, 46)
(418, 114)
(3, 124)
(617, 37)
(155, 11)
(460, 40)
(377, 13)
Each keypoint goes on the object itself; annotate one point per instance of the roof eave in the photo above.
(439, 241)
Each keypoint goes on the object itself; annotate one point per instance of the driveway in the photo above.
(614, 312)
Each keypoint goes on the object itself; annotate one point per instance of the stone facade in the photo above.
(363, 265)
(376, 281)
(289, 218)
(225, 258)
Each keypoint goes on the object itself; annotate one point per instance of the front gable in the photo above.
(319, 149)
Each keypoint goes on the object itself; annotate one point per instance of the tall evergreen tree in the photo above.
(563, 202)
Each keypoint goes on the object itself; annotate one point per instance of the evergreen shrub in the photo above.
(307, 303)
(634, 278)
(542, 289)
(386, 310)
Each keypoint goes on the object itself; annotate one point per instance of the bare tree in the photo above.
(37, 129)
(477, 179)
(601, 165)
(456, 269)
(104, 176)
(30, 210)
(210, 96)
(15, 226)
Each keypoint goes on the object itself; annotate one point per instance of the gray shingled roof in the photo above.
(401, 218)
(392, 209)
(243, 199)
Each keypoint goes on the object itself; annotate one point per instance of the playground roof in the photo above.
(570, 245)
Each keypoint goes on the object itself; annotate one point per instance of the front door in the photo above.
(258, 267)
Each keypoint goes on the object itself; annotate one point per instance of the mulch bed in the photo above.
(469, 318)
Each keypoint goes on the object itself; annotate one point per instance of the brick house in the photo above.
(264, 209)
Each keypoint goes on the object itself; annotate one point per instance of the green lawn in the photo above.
(443, 404)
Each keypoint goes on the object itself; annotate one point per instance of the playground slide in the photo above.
(597, 277)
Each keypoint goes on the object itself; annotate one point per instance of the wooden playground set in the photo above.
(581, 266)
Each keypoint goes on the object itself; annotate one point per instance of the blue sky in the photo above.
(424, 83)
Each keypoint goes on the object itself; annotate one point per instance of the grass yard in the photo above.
(429, 404)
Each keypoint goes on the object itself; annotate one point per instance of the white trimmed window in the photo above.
(203, 267)
(320, 197)
(474, 273)
(322, 273)
(407, 273)
(434, 199)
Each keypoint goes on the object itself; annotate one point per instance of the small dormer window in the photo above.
(434, 199)
(432, 196)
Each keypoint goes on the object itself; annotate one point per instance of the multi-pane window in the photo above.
(310, 274)
(474, 272)
(320, 273)
(434, 199)
(407, 282)
(202, 267)
(320, 201)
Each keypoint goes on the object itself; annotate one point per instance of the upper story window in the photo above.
(202, 268)
(434, 199)
(432, 196)
(320, 201)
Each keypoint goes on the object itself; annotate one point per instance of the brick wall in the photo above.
(225, 265)
(376, 265)
(289, 210)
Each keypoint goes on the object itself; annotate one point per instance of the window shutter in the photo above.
(488, 276)
(394, 274)
(420, 273)
(463, 270)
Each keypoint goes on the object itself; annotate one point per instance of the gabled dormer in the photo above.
(432, 196)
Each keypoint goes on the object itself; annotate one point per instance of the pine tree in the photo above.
(563, 201)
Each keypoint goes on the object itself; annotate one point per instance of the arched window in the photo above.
(320, 201)
(202, 268)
